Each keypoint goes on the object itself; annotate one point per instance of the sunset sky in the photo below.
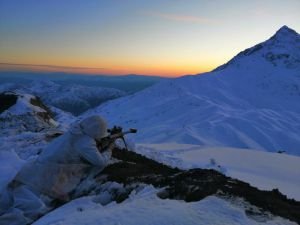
(150, 37)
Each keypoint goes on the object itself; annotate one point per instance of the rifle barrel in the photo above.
(121, 134)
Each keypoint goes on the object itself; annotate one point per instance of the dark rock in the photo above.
(7, 100)
(36, 101)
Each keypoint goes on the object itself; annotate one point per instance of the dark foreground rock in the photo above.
(7, 100)
(192, 185)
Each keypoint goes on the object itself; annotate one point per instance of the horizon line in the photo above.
(48, 68)
(52, 66)
(85, 74)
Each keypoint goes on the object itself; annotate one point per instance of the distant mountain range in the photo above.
(250, 102)
(129, 83)
(73, 98)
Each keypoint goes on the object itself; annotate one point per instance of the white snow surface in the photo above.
(264, 170)
(9, 167)
(251, 102)
(146, 208)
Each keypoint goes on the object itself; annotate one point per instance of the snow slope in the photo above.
(146, 208)
(250, 102)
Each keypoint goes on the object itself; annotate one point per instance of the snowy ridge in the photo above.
(250, 103)
(27, 113)
(23, 105)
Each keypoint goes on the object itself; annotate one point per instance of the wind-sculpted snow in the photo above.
(251, 102)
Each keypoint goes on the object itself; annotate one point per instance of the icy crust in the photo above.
(145, 207)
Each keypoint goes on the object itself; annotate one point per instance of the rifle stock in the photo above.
(115, 134)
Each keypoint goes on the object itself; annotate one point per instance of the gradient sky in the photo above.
(152, 37)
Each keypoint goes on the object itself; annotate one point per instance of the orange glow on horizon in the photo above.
(163, 70)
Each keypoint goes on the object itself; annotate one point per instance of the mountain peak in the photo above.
(281, 49)
(285, 31)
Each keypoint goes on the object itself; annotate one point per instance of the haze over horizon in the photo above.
(159, 37)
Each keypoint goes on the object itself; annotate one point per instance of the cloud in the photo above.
(49, 66)
(181, 18)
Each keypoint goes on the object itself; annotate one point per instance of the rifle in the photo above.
(114, 134)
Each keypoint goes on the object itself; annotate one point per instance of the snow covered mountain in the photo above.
(23, 112)
(250, 102)
(72, 98)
